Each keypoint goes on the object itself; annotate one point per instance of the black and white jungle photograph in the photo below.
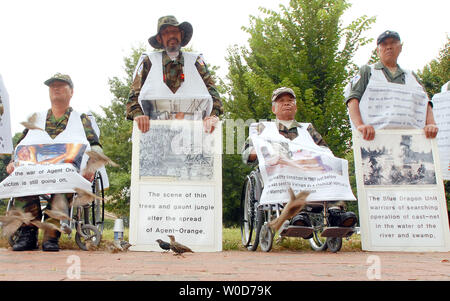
(398, 160)
(162, 153)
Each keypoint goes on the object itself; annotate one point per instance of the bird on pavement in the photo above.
(164, 245)
(178, 248)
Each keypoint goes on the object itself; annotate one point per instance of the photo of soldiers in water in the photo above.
(404, 162)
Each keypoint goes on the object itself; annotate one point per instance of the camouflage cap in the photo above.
(171, 20)
(387, 34)
(59, 77)
(280, 91)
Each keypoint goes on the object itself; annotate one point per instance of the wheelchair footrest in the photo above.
(297, 231)
(337, 231)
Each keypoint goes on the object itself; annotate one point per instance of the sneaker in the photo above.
(340, 218)
(27, 239)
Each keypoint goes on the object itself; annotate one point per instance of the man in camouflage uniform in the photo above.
(284, 107)
(170, 37)
(60, 91)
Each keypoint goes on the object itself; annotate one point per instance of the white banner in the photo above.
(176, 186)
(441, 110)
(42, 179)
(302, 168)
(401, 199)
(6, 146)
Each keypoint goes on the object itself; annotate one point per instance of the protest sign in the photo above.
(441, 109)
(6, 146)
(45, 168)
(39, 179)
(176, 186)
(401, 197)
(302, 166)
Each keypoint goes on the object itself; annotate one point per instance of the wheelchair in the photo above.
(255, 218)
(87, 221)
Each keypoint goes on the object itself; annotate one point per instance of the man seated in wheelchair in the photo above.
(53, 144)
(283, 138)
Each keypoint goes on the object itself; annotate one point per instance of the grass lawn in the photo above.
(231, 239)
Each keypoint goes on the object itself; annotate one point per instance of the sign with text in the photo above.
(176, 186)
(291, 164)
(441, 110)
(401, 197)
(42, 179)
(6, 145)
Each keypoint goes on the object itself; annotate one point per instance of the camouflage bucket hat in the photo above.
(171, 20)
(59, 77)
(280, 91)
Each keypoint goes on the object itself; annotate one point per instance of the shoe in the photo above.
(302, 219)
(51, 243)
(340, 218)
(27, 239)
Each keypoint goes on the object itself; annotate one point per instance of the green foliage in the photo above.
(303, 46)
(115, 137)
(435, 74)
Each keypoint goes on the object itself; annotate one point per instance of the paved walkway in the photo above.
(223, 266)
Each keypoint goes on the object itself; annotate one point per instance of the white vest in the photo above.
(386, 105)
(304, 139)
(74, 133)
(191, 98)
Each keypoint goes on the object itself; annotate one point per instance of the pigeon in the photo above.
(125, 245)
(83, 198)
(59, 208)
(178, 248)
(31, 123)
(295, 204)
(15, 218)
(97, 160)
(164, 245)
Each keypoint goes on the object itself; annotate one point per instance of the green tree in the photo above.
(305, 46)
(436, 73)
(433, 76)
(115, 137)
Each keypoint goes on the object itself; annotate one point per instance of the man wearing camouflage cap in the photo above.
(58, 122)
(382, 84)
(172, 84)
(284, 106)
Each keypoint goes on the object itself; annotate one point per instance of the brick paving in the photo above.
(223, 266)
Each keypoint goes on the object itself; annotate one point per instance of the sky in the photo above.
(89, 39)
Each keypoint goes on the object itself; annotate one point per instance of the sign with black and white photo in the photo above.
(401, 197)
(176, 186)
(6, 145)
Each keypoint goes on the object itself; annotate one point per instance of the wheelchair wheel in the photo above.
(260, 220)
(334, 243)
(317, 242)
(90, 237)
(98, 206)
(266, 238)
(247, 210)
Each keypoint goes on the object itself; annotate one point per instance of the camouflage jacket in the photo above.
(55, 126)
(289, 132)
(173, 77)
